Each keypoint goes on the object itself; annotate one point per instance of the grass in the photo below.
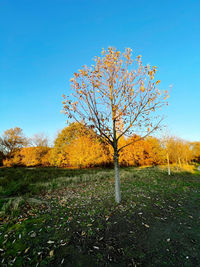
(69, 218)
(31, 181)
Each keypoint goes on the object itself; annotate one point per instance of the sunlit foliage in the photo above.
(178, 151)
(116, 97)
(78, 146)
(29, 156)
(144, 152)
(12, 140)
(195, 147)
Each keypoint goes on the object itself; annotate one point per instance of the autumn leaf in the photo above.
(51, 253)
(50, 242)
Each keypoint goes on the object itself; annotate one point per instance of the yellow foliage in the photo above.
(29, 156)
(78, 146)
(141, 152)
(86, 152)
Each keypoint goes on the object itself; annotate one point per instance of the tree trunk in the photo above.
(168, 164)
(186, 159)
(179, 160)
(117, 178)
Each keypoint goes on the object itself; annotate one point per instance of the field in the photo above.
(64, 217)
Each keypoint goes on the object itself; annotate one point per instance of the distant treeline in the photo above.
(78, 146)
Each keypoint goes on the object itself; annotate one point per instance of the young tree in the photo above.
(168, 143)
(116, 97)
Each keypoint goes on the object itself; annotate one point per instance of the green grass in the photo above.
(30, 181)
(70, 218)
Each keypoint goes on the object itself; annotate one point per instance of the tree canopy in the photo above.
(116, 97)
(12, 140)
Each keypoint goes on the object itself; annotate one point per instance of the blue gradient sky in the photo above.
(43, 42)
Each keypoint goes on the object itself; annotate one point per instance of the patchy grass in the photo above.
(74, 221)
(30, 181)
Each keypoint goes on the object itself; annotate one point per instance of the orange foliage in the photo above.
(178, 151)
(29, 156)
(195, 148)
(141, 152)
(86, 152)
(78, 146)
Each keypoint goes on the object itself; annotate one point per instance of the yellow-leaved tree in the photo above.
(12, 140)
(78, 146)
(117, 96)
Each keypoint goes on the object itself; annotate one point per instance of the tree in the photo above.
(35, 156)
(78, 146)
(40, 140)
(86, 152)
(29, 156)
(116, 97)
(195, 148)
(156, 153)
(12, 140)
(59, 155)
(168, 145)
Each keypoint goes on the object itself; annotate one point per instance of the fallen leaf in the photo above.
(51, 253)
(50, 242)
(26, 250)
(33, 234)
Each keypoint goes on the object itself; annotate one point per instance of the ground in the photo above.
(61, 217)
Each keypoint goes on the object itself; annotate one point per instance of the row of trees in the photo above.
(17, 149)
(79, 146)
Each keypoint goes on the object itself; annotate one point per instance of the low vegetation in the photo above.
(68, 217)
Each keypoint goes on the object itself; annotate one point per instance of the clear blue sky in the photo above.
(42, 42)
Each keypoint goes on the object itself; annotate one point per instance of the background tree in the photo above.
(177, 151)
(87, 152)
(116, 97)
(146, 151)
(12, 140)
(59, 155)
(156, 152)
(195, 149)
(78, 146)
(168, 144)
(40, 140)
(29, 156)
(35, 156)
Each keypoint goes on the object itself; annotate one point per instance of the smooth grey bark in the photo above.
(168, 164)
(116, 163)
(117, 178)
